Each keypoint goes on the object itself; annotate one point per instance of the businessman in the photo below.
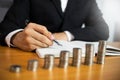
(31, 24)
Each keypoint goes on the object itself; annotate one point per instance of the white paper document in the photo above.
(68, 46)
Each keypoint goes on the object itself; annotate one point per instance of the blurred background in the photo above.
(109, 8)
(111, 14)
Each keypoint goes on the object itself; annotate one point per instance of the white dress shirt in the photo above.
(63, 4)
(69, 35)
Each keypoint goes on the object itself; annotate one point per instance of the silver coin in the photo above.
(49, 62)
(77, 56)
(101, 52)
(15, 68)
(32, 65)
(64, 59)
(89, 54)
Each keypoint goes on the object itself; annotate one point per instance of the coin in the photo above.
(101, 52)
(49, 61)
(15, 68)
(32, 65)
(77, 55)
(64, 59)
(89, 54)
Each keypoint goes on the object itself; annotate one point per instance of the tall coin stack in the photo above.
(77, 54)
(101, 52)
(89, 54)
(64, 59)
(32, 65)
(49, 61)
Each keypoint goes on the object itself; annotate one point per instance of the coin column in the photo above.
(49, 62)
(32, 65)
(77, 56)
(64, 59)
(101, 52)
(89, 54)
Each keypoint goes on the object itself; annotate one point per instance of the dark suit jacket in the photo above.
(49, 14)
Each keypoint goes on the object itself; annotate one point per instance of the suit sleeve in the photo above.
(14, 19)
(95, 27)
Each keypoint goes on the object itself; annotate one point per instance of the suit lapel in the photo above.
(69, 7)
(57, 5)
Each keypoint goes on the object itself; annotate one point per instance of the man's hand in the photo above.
(32, 37)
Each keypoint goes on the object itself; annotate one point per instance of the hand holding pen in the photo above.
(33, 36)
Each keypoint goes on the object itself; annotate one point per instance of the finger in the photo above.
(41, 29)
(38, 43)
(32, 48)
(32, 45)
(41, 38)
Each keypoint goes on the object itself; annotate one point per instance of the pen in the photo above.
(57, 43)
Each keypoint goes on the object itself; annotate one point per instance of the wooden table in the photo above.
(9, 56)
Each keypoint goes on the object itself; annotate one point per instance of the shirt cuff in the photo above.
(70, 36)
(9, 36)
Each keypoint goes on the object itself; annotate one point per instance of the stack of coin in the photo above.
(32, 65)
(89, 54)
(49, 62)
(64, 59)
(101, 52)
(15, 68)
(77, 54)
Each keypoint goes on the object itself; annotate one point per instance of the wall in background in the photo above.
(4, 6)
(111, 11)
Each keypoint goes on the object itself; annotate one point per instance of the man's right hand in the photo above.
(32, 37)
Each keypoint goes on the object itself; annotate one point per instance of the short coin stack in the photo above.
(32, 65)
(15, 68)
